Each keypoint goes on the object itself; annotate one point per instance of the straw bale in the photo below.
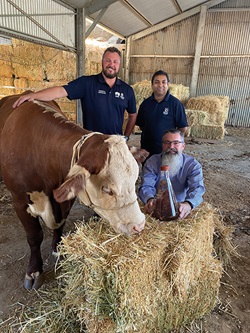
(207, 132)
(6, 70)
(195, 117)
(142, 91)
(179, 91)
(202, 125)
(216, 106)
(6, 81)
(157, 281)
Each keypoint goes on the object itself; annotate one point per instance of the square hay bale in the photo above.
(216, 106)
(196, 117)
(179, 91)
(202, 124)
(207, 132)
(157, 281)
(142, 91)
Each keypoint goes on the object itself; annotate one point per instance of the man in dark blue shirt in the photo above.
(158, 113)
(104, 97)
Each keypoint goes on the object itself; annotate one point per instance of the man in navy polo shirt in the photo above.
(158, 113)
(104, 97)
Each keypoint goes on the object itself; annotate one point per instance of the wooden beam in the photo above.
(198, 48)
(127, 59)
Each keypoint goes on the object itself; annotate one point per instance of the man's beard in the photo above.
(109, 75)
(174, 161)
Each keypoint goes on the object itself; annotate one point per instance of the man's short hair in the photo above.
(174, 131)
(160, 72)
(112, 49)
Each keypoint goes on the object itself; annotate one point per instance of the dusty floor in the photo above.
(227, 178)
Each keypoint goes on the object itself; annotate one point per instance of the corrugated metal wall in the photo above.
(56, 24)
(171, 49)
(225, 59)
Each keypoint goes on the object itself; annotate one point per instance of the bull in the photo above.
(47, 161)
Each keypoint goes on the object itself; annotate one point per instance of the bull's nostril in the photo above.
(137, 229)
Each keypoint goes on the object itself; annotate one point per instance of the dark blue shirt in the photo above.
(155, 118)
(102, 107)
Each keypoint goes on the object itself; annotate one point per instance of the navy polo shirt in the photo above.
(102, 107)
(155, 118)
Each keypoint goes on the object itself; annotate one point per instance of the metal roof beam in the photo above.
(177, 5)
(137, 13)
(33, 39)
(97, 5)
(96, 21)
(175, 19)
(29, 17)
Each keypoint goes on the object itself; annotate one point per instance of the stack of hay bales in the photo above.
(206, 116)
(157, 281)
(143, 90)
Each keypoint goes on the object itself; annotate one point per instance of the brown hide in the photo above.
(37, 143)
(36, 146)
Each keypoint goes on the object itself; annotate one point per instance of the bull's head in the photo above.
(104, 179)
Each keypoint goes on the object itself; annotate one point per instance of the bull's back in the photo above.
(32, 137)
(6, 109)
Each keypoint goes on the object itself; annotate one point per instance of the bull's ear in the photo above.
(75, 183)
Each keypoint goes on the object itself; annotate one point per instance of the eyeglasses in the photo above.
(175, 143)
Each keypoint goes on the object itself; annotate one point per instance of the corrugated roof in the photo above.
(52, 22)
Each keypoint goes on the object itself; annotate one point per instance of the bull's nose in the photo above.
(138, 228)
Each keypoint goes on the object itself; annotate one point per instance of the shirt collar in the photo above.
(102, 80)
(164, 99)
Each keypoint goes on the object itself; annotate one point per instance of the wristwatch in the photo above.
(126, 137)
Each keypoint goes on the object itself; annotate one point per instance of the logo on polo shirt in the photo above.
(119, 95)
(166, 111)
(102, 92)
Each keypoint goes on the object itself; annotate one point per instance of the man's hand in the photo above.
(184, 210)
(150, 206)
(28, 97)
(139, 154)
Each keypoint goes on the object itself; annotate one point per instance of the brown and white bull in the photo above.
(47, 161)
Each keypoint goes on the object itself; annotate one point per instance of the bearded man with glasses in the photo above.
(185, 174)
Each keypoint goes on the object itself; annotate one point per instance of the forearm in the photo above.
(47, 94)
(50, 94)
(182, 129)
(130, 124)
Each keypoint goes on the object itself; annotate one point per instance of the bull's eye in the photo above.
(107, 190)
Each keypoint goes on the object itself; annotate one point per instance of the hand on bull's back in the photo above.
(24, 98)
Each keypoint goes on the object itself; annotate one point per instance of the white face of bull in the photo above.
(111, 193)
